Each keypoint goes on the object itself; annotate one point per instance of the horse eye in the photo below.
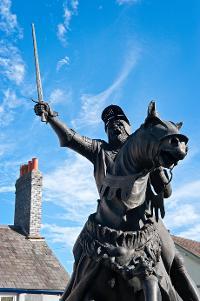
(174, 141)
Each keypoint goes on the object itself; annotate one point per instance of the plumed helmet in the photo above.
(113, 112)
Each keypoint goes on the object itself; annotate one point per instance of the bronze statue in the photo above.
(124, 251)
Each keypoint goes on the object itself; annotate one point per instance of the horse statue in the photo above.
(124, 252)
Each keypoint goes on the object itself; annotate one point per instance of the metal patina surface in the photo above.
(124, 251)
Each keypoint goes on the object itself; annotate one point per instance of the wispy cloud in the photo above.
(192, 233)
(10, 99)
(56, 96)
(121, 2)
(9, 103)
(11, 63)
(8, 20)
(60, 96)
(70, 8)
(12, 66)
(92, 105)
(74, 189)
(4, 147)
(183, 210)
(7, 189)
(188, 190)
(177, 218)
(63, 235)
(62, 62)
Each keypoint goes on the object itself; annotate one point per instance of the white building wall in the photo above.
(36, 297)
(51, 298)
(192, 264)
(9, 295)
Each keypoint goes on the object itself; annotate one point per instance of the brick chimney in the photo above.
(28, 201)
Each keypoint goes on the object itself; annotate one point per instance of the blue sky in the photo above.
(92, 54)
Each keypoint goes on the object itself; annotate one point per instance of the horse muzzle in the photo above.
(171, 151)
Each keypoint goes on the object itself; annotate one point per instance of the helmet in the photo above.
(113, 112)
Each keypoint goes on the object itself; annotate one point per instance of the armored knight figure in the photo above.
(99, 152)
(102, 155)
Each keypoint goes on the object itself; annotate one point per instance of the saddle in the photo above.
(129, 253)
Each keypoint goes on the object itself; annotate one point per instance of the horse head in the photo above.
(156, 143)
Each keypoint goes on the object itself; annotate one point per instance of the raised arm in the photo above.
(67, 137)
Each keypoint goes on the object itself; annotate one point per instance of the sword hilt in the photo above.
(43, 118)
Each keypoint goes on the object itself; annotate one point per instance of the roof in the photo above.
(190, 245)
(28, 264)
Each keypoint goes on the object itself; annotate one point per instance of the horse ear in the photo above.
(152, 110)
(179, 125)
(152, 116)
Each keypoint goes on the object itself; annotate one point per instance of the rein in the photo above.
(155, 165)
(171, 176)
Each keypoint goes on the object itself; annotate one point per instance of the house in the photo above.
(190, 251)
(29, 271)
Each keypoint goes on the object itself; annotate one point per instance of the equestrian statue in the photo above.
(124, 252)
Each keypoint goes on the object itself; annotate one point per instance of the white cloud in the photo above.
(183, 210)
(10, 99)
(72, 187)
(61, 32)
(63, 235)
(188, 190)
(9, 103)
(8, 20)
(4, 147)
(60, 96)
(62, 62)
(92, 105)
(56, 96)
(70, 8)
(191, 233)
(182, 215)
(5, 117)
(11, 63)
(7, 189)
(121, 2)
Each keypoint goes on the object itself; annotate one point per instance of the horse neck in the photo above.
(123, 192)
(136, 155)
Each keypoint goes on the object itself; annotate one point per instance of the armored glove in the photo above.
(157, 205)
(160, 181)
(44, 108)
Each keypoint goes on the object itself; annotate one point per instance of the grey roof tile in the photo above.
(28, 264)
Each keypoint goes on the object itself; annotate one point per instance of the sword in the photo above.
(37, 70)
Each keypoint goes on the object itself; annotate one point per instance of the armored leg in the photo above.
(151, 289)
(182, 281)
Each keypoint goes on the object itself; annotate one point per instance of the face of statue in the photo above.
(117, 131)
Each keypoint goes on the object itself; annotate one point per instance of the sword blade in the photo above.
(37, 66)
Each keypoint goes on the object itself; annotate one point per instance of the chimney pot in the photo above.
(29, 166)
(25, 169)
(21, 170)
(34, 164)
